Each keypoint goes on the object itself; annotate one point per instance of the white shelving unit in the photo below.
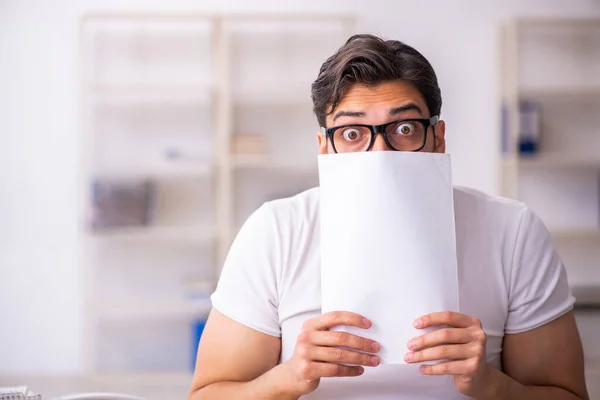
(161, 98)
(556, 64)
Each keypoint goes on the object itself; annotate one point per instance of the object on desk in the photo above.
(18, 393)
(244, 144)
(121, 204)
(399, 225)
(529, 127)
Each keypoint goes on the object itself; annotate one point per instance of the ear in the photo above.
(322, 141)
(440, 137)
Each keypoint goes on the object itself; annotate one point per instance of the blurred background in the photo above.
(139, 135)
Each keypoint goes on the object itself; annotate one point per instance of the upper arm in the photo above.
(231, 351)
(541, 343)
(550, 355)
(241, 339)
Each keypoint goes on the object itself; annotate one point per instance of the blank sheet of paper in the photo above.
(388, 247)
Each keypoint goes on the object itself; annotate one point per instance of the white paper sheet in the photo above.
(388, 248)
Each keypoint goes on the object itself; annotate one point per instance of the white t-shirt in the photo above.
(510, 277)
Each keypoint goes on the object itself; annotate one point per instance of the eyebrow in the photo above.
(404, 108)
(348, 114)
(393, 111)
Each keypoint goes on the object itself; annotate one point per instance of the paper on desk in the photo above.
(388, 248)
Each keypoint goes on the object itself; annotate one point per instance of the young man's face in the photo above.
(377, 105)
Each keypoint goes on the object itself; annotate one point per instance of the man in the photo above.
(515, 337)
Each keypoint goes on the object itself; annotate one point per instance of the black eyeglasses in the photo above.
(401, 135)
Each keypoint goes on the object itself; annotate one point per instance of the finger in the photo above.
(335, 318)
(343, 339)
(450, 368)
(450, 318)
(438, 337)
(344, 356)
(327, 370)
(444, 352)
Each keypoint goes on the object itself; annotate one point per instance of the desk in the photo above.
(149, 386)
(170, 386)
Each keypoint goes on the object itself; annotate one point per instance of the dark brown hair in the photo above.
(370, 60)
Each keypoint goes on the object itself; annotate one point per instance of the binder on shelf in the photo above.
(529, 127)
(18, 393)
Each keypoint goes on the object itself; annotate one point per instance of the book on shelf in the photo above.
(249, 144)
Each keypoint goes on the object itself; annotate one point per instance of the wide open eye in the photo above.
(352, 134)
(405, 128)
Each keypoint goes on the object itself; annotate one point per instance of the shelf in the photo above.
(561, 94)
(543, 161)
(578, 23)
(172, 170)
(192, 234)
(265, 162)
(147, 95)
(291, 97)
(153, 309)
(591, 233)
(586, 297)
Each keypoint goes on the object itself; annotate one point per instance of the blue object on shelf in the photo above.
(504, 129)
(528, 146)
(529, 127)
(197, 329)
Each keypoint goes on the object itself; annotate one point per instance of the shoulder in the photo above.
(468, 199)
(291, 222)
(291, 228)
(301, 208)
(493, 223)
(500, 216)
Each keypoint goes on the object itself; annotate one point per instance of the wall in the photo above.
(39, 276)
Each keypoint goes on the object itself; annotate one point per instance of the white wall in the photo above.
(39, 277)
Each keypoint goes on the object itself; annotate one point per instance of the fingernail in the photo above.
(367, 323)
(409, 357)
(361, 370)
(418, 323)
(412, 343)
(375, 346)
(422, 368)
(375, 361)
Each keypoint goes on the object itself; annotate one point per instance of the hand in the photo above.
(463, 344)
(317, 353)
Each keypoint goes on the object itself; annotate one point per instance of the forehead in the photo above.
(378, 99)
